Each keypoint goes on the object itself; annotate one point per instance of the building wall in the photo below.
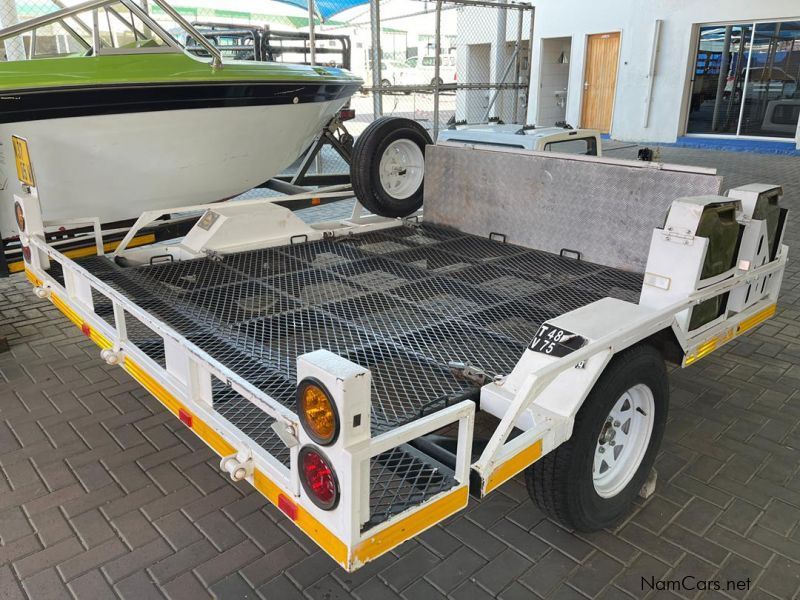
(636, 21)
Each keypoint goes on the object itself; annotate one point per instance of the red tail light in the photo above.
(347, 114)
(318, 478)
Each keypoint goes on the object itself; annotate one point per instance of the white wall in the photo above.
(636, 21)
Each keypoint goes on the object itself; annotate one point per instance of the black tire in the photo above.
(385, 83)
(561, 482)
(364, 167)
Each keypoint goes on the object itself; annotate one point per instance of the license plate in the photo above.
(555, 341)
(24, 168)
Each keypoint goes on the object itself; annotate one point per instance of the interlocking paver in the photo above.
(51, 526)
(185, 587)
(91, 585)
(91, 559)
(501, 571)
(100, 483)
(453, 570)
(9, 586)
(45, 584)
(183, 560)
(404, 571)
(272, 564)
(49, 557)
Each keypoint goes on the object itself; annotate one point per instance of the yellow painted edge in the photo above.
(68, 312)
(323, 537)
(215, 441)
(709, 346)
(406, 528)
(756, 319)
(32, 278)
(512, 466)
(94, 335)
(374, 546)
(305, 521)
(19, 265)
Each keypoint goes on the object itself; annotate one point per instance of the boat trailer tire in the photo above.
(590, 481)
(388, 166)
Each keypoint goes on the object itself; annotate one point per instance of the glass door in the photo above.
(771, 98)
(745, 80)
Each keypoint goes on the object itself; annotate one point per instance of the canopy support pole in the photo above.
(375, 30)
(15, 50)
(312, 40)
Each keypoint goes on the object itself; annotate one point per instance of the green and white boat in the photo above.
(120, 118)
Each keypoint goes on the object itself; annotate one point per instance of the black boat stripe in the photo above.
(56, 103)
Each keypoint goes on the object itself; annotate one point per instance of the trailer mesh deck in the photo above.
(404, 303)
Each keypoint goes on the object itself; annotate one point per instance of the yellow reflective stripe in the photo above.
(406, 528)
(305, 521)
(756, 319)
(512, 466)
(68, 312)
(31, 277)
(326, 540)
(206, 433)
(19, 265)
(313, 528)
(94, 335)
(709, 346)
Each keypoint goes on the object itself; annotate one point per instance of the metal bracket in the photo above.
(678, 235)
(286, 433)
(239, 466)
(468, 372)
(213, 255)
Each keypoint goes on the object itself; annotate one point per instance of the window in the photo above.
(746, 80)
(586, 146)
(428, 61)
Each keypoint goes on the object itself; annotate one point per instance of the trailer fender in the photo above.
(560, 399)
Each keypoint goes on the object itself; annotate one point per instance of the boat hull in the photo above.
(115, 166)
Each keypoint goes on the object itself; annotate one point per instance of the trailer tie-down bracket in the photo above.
(467, 372)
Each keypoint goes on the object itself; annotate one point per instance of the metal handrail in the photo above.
(71, 11)
(53, 17)
(216, 61)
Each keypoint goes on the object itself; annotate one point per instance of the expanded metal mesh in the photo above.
(401, 477)
(406, 303)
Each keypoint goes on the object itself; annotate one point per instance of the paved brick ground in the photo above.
(104, 494)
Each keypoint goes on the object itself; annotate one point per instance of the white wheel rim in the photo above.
(623, 441)
(401, 169)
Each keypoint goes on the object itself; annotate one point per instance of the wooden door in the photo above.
(600, 81)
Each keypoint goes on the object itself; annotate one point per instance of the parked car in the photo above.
(421, 70)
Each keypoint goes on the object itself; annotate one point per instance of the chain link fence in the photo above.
(483, 65)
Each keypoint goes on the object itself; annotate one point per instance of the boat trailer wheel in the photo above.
(388, 166)
(623, 441)
(590, 481)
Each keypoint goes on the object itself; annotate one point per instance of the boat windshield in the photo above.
(98, 27)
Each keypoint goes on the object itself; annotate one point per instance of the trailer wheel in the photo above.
(590, 481)
(388, 166)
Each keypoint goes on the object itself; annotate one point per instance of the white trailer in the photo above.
(546, 291)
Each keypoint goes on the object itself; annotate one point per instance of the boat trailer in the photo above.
(338, 367)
